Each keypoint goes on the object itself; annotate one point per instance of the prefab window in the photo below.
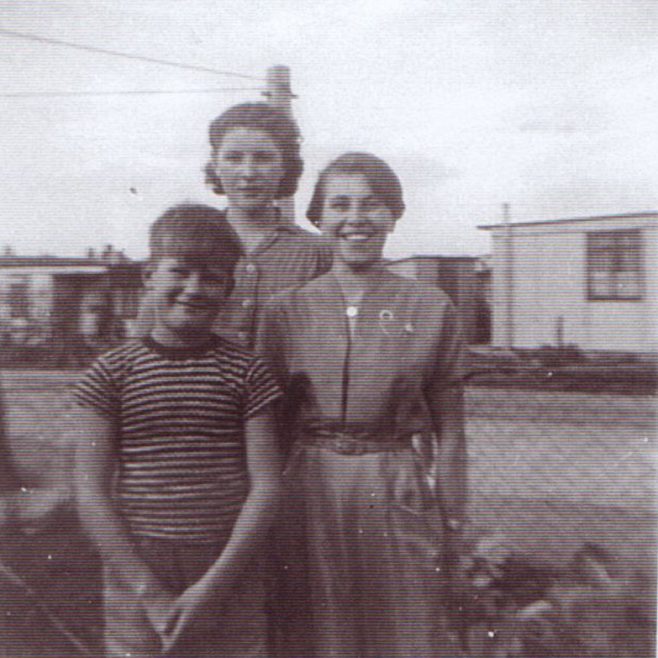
(18, 298)
(614, 265)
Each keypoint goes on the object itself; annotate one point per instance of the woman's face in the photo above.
(357, 221)
(250, 166)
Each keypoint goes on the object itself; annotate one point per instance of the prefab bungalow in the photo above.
(66, 304)
(590, 282)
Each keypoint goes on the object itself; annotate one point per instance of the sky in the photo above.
(547, 105)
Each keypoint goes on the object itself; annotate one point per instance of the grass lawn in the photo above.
(554, 469)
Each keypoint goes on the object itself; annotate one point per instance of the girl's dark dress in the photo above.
(360, 514)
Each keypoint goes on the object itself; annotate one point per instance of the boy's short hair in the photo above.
(196, 232)
(264, 117)
(382, 180)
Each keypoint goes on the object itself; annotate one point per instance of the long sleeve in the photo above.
(446, 402)
(271, 345)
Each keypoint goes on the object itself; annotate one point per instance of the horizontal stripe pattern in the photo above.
(180, 417)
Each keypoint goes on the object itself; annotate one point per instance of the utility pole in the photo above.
(278, 91)
(279, 96)
(508, 251)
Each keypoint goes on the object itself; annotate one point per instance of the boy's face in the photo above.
(187, 296)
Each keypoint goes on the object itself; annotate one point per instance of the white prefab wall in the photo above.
(548, 273)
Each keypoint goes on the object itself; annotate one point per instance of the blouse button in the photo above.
(246, 303)
(250, 267)
(352, 311)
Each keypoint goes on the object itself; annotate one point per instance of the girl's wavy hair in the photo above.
(382, 180)
(259, 116)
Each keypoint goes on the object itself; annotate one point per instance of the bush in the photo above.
(513, 606)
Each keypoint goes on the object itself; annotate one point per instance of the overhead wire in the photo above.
(130, 92)
(116, 53)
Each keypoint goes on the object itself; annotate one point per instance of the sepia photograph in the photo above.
(328, 330)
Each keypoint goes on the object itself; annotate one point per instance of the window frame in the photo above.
(618, 239)
(18, 297)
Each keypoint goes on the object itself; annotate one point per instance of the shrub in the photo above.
(511, 606)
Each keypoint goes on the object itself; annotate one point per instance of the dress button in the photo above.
(352, 311)
(246, 303)
(250, 268)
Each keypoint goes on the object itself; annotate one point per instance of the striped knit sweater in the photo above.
(179, 416)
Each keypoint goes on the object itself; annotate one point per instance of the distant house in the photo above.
(590, 282)
(463, 278)
(66, 302)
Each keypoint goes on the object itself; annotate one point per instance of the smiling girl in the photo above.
(370, 365)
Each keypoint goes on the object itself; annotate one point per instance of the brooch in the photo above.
(387, 320)
(385, 315)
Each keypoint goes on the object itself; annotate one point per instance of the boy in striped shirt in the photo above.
(177, 474)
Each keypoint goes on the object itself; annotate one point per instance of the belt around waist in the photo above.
(347, 444)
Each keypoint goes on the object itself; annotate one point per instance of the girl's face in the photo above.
(250, 167)
(357, 221)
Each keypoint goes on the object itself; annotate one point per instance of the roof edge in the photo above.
(639, 215)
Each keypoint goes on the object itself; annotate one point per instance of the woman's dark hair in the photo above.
(382, 180)
(259, 116)
(198, 232)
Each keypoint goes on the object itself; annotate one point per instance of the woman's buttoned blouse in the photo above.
(289, 256)
(405, 347)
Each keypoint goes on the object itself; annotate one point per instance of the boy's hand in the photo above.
(197, 607)
(159, 605)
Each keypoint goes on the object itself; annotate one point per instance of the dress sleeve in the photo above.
(325, 258)
(261, 388)
(271, 343)
(449, 456)
(449, 366)
(98, 389)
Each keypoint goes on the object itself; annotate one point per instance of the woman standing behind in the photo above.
(255, 160)
(370, 362)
